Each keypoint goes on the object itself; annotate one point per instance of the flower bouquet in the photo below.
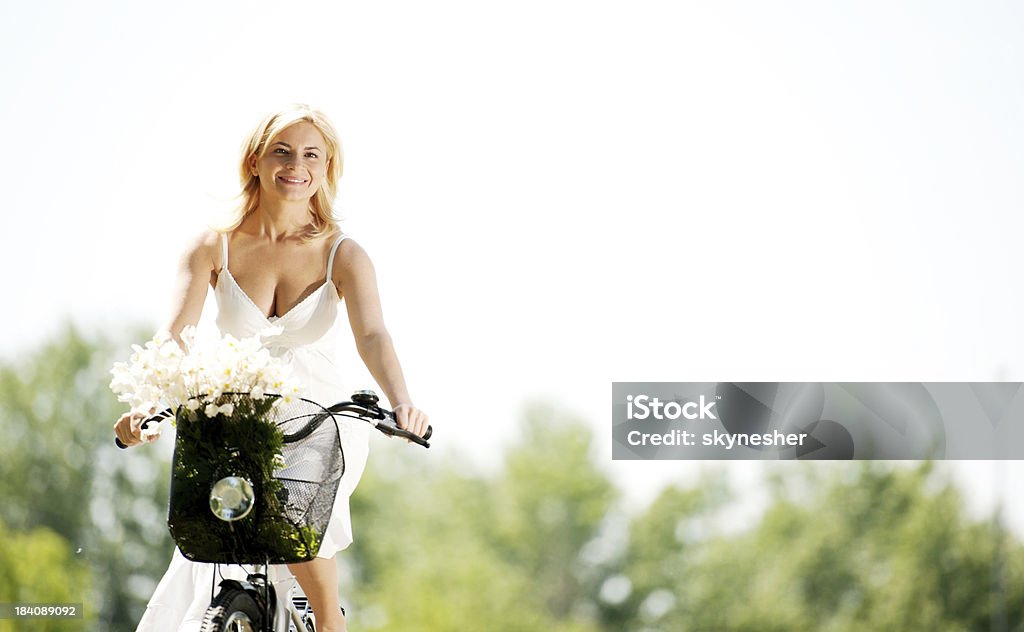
(242, 489)
(201, 376)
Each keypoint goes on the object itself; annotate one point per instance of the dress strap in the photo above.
(224, 258)
(330, 258)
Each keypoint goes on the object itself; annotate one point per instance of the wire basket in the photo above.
(294, 493)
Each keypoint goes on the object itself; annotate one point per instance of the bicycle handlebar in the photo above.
(383, 420)
(363, 406)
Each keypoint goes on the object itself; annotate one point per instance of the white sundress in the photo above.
(307, 341)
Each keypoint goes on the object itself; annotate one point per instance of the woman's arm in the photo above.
(195, 270)
(357, 281)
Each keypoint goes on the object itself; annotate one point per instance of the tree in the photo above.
(39, 566)
(440, 548)
(61, 475)
(871, 548)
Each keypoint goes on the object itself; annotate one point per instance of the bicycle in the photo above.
(226, 510)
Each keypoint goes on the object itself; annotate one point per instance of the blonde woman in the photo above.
(284, 262)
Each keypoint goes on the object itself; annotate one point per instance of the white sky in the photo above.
(556, 194)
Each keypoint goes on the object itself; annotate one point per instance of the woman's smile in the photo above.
(292, 180)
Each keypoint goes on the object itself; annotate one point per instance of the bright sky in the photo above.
(556, 194)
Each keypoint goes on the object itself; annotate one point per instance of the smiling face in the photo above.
(293, 164)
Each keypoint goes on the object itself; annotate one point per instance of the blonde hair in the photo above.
(320, 205)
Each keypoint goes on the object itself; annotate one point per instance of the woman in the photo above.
(285, 263)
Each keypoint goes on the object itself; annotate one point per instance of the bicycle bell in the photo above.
(365, 398)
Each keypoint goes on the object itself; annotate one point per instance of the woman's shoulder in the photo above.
(204, 248)
(349, 250)
(350, 257)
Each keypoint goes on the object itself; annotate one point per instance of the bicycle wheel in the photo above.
(233, 610)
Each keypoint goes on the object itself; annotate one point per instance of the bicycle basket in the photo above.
(293, 499)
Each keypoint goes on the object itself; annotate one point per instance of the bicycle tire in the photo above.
(233, 610)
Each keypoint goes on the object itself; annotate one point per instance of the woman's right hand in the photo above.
(127, 428)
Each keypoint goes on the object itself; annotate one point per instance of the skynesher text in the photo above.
(716, 438)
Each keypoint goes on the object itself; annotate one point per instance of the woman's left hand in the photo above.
(412, 419)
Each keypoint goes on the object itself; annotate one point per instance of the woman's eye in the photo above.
(281, 151)
(312, 155)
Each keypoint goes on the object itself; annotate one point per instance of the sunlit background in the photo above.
(556, 195)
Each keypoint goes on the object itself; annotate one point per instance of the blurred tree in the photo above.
(663, 543)
(38, 567)
(843, 547)
(438, 548)
(538, 545)
(549, 503)
(60, 471)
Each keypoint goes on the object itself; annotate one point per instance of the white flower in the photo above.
(161, 373)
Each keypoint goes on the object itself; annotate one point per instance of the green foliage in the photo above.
(663, 541)
(247, 444)
(875, 548)
(22, 557)
(439, 548)
(548, 504)
(540, 544)
(59, 471)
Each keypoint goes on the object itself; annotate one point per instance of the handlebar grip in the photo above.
(157, 418)
(415, 438)
(389, 426)
(390, 414)
(119, 444)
